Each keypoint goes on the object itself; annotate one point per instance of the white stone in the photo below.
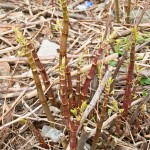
(52, 133)
(48, 48)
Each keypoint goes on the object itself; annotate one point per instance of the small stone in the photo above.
(52, 133)
(48, 48)
(4, 69)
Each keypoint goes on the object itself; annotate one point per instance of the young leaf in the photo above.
(117, 48)
(80, 60)
(58, 25)
(139, 39)
(20, 38)
(121, 111)
(145, 81)
(74, 111)
(115, 105)
(109, 111)
(144, 93)
(83, 106)
(112, 63)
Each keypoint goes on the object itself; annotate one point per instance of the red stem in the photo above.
(127, 96)
(90, 76)
(64, 98)
(78, 87)
(45, 78)
(73, 139)
(37, 135)
(100, 122)
(70, 89)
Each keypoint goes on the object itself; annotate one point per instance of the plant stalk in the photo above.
(44, 75)
(128, 12)
(117, 10)
(37, 134)
(90, 76)
(127, 96)
(100, 122)
(38, 83)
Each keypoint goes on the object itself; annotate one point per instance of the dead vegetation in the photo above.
(74, 79)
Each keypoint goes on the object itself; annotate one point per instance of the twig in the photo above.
(14, 103)
(83, 138)
(96, 95)
(145, 8)
(109, 120)
(137, 110)
(74, 73)
(9, 49)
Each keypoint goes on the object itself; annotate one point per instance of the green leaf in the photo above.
(112, 63)
(145, 81)
(23, 120)
(58, 25)
(126, 39)
(139, 39)
(20, 38)
(109, 82)
(80, 60)
(74, 111)
(109, 111)
(117, 48)
(78, 118)
(121, 53)
(121, 110)
(115, 105)
(144, 93)
(21, 53)
(83, 106)
(70, 96)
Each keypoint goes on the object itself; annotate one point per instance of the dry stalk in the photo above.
(110, 119)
